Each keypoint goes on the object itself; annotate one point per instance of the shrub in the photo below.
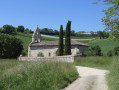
(40, 54)
(94, 51)
(110, 53)
(10, 47)
(116, 51)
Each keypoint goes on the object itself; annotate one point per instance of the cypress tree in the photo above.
(68, 39)
(60, 47)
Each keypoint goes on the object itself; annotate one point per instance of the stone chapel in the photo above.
(50, 48)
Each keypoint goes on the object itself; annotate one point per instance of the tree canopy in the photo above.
(111, 19)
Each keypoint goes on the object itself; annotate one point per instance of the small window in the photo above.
(49, 54)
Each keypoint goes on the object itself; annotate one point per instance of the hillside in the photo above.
(105, 44)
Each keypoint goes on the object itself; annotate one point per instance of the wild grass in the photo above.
(36, 75)
(113, 76)
(101, 62)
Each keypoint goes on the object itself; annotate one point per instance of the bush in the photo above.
(10, 47)
(94, 51)
(116, 51)
(110, 53)
(40, 54)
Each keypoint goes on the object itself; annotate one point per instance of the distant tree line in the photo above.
(9, 29)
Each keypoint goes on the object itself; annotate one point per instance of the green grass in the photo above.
(96, 62)
(19, 75)
(113, 76)
(49, 39)
(105, 44)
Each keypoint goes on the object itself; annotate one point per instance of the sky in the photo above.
(84, 15)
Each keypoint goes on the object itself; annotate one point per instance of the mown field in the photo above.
(19, 75)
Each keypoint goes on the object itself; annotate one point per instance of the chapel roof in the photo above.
(55, 43)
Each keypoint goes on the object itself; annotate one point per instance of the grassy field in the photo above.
(105, 44)
(18, 75)
(113, 76)
(101, 62)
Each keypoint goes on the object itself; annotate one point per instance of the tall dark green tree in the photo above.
(68, 39)
(60, 47)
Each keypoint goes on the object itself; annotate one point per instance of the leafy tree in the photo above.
(10, 47)
(56, 32)
(60, 45)
(8, 29)
(68, 39)
(100, 34)
(111, 19)
(73, 33)
(20, 28)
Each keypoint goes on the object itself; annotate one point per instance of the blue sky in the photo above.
(52, 13)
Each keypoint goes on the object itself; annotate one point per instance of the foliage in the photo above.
(110, 53)
(111, 19)
(60, 45)
(36, 75)
(94, 51)
(20, 28)
(10, 47)
(101, 62)
(103, 34)
(8, 29)
(40, 54)
(116, 51)
(68, 39)
(113, 76)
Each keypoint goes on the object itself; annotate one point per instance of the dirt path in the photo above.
(90, 79)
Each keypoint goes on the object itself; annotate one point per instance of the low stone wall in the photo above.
(56, 58)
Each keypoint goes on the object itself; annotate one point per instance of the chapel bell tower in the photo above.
(36, 38)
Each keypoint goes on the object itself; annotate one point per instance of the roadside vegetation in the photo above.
(101, 62)
(19, 75)
(113, 76)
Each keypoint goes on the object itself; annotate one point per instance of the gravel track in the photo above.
(89, 79)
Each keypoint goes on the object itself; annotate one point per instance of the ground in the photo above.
(89, 79)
